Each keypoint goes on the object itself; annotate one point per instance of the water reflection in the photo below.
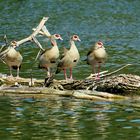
(65, 118)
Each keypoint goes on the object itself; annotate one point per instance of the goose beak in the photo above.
(79, 39)
(61, 38)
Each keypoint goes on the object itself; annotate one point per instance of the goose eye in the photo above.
(57, 35)
(100, 43)
(75, 36)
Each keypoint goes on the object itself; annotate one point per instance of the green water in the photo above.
(116, 23)
(64, 118)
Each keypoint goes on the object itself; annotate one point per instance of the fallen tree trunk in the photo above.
(118, 84)
(123, 84)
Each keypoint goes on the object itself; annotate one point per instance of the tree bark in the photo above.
(119, 84)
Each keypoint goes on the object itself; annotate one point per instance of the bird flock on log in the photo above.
(49, 58)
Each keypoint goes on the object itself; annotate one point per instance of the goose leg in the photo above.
(11, 75)
(71, 78)
(48, 72)
(98, 75)
(94, 68)
(65, 74)
(49, 77)
(17, 72)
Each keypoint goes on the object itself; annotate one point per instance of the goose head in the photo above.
(75, 38)
(55, 37)
(13, 44)
(99, 44)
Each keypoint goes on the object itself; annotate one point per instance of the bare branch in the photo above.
(40, 32)
(113, 72)
(38, 54)
(39, 27)
(93, 75)
(44, 31)
(37, 43)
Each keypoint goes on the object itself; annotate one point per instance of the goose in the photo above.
(48, 58)
(96, 55)
(12, 58)
(70, 58)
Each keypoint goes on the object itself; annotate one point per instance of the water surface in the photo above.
(116, 23)
(53, 117)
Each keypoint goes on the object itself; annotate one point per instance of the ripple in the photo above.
(11, 129)
(135, 121)
(19, 109)
(120, 120)
(129, 110)
(127, 127)
(29, 100)
(108, 111)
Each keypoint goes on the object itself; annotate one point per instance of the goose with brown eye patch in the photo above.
(48, 58)
(96, 55)
(75, 38)
(70, 58)
(12, 58)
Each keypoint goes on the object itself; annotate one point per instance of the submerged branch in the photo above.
(84, 94)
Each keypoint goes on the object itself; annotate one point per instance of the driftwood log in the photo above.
(106, 89)
(122, 84)
(81, 89)
(22, 86)
(118, 84)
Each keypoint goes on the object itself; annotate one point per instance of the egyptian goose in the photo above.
(96, 55)
(70, 58)
(49, 57)
(12, 58)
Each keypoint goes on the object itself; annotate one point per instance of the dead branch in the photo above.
(113, 72)
(105, 73)
(95, 74)
(40, 32)
(39, 27)
(37, 43)
(44, 31)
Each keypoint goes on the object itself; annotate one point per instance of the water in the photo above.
(63, 118)
(116, 23)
